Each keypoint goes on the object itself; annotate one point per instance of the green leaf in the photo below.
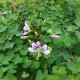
(69, 39)
(77, 33)
(17, 59)
(25, 75)
(77, 21)
(8, 45)
(2, 70)
(12, 68)
(13, 28)
(2, 38)
(5, 61)
(40, 75)
(47, 38)
(23, 51)
(72, 28)
(26, 63)
(18, 2)
(10, 76)
(35, 64)
(74, 67)
(2, 28)
(62, 71)
(66, 55)
(1, 58)
(18, 33)
(76, 50)
(59, 70)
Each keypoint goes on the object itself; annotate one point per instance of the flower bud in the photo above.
(55, 36)
(23, 37)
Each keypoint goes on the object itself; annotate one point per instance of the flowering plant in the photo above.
(46, 29)
(36, 47)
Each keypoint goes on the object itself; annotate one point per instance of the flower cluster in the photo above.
(36, 47)
(26, 30)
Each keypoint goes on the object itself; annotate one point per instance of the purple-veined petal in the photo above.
(44, 47)
(34, 45)
(55, 36)
(31, 49)
(38, 44)
(46, 52)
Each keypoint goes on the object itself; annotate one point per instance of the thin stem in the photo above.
(38, 56)
(13, 5)
(45, 66)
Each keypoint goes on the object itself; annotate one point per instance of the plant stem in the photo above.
(13, 5)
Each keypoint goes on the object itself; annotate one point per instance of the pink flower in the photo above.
(26, 27)
(35, 47)
(55, 36)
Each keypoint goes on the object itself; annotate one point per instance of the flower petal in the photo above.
(34, 45)
(55, 36)
(26, 27)
(44, 47)
(38, 44)
(25, 33)
(31, 49)
(46, 52)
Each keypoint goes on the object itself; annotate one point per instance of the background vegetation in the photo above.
(45, 17)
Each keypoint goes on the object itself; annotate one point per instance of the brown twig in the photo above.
(13, 5)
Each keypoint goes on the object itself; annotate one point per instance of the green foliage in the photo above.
(45, 18)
